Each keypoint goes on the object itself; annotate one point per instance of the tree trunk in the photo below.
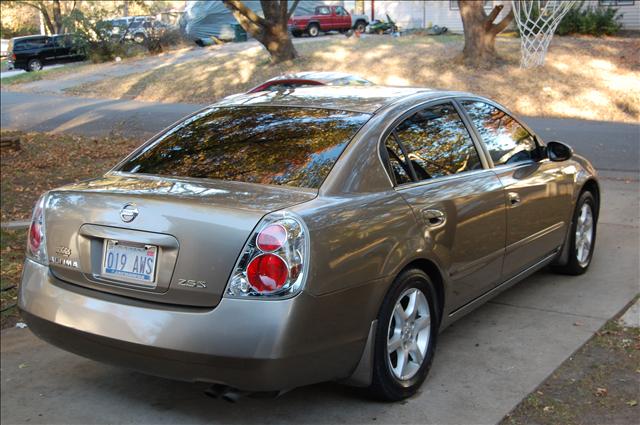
(480, 32)
(271, 30)
(57, 17)
(51, 29)
(278, 43)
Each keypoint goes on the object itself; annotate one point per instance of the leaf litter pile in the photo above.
(599, 384)
(46, 161)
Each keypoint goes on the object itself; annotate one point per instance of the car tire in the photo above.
(313, 30)
(582, 239)
(139, 38)
(398, 374)
(360, 26)
(34, 65)
(296, 33)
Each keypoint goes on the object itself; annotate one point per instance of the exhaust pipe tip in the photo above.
(225, 392)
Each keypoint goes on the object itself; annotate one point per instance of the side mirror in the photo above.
(558, 151)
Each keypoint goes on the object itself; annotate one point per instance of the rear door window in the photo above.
(399, 166)
(267, 145)
(437, 143)
(32, 43)
(507, 141)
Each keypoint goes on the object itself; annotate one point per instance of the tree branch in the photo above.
(504, 23)
(494, 13)
(248, 14)
(292, 9)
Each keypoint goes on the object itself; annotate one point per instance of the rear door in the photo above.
(537, 192)
(457, 200)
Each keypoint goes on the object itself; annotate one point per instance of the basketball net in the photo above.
(537, 20)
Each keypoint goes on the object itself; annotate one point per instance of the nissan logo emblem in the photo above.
(129, 212)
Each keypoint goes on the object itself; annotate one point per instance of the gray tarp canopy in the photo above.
(203, 19)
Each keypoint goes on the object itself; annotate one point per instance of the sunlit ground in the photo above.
(589, 78)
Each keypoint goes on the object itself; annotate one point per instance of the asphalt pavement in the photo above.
(611, 146)
(485, 363)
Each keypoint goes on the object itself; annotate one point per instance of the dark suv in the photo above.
(32, 52)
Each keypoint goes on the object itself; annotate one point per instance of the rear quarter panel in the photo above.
(358, 245)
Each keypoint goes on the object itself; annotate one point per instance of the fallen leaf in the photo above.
(601, 392)
(547, 409)
(632, 403)
(22, 365)
(578, 324)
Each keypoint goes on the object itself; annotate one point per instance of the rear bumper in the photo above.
(246, 344)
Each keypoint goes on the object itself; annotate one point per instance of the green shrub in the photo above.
(597, 21)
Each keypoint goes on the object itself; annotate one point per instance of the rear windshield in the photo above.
(266, 145)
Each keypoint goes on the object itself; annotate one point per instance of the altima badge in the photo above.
(129, 212)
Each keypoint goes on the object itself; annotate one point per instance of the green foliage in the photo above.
(8, 32)
(98, 41)
(597, 21)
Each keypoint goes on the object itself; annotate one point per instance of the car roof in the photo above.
(28, 37)
(366, 99)
(321, 76)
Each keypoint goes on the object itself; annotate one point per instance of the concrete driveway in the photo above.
(485, 363)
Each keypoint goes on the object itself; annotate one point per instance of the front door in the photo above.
(458, 202)
(538, 192)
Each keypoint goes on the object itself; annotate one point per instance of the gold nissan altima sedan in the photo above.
(282, 238)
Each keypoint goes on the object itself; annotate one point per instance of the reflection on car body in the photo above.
(306, 235)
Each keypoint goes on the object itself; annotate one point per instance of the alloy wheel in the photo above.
(35, 65)
(584, 235)
(408, 334)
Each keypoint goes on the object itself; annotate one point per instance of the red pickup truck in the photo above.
(327, 18)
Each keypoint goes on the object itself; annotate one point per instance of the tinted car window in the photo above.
(397, 161)
(63, 41)
(32, 43)
(267, 145)
(324, 11)
(438, 143)
(507, 141)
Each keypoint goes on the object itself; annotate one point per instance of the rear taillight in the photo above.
(274, 260)
(36, 243)
(13, 57)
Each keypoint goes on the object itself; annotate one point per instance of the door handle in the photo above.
(514, 199)
(433, 217)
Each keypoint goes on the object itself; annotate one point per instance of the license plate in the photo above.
(135, 263)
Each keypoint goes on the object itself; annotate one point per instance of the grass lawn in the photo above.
(47, 161)
(599, 384)
(28, 77)
(12, 246)
(584, 77)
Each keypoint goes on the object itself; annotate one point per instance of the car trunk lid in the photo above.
(194, 229)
